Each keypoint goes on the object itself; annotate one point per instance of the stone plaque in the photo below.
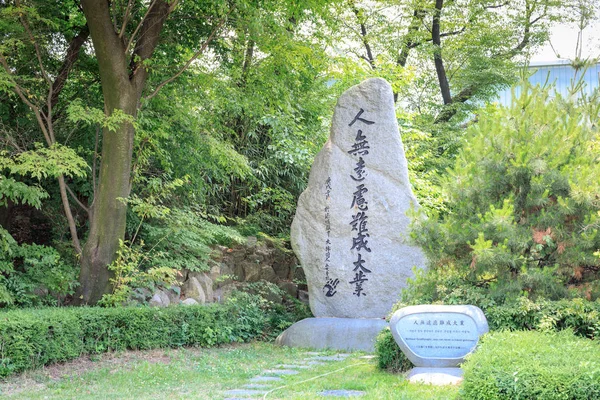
(438, 335)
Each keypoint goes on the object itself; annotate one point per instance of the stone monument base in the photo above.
(352, 334)
(435, 376)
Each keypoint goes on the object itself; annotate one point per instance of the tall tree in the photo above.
(123, 65)
(460, 50)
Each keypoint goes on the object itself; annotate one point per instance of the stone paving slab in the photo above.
(245, 392)
(337, 357)
(259, 385)
(291, 366)
(256, 386)
(266, 379)
(315, 363)
(342, 393)
(280, 372)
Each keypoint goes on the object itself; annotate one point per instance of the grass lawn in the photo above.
(192, 373)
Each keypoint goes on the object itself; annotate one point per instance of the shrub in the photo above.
(532, 365)
(389, 355)
(523, 199)
(33, 275)
(32, 338)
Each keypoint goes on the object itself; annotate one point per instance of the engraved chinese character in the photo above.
(358, 118)
(358, 264)
(359, 279)
(359, 170)
(358, 200)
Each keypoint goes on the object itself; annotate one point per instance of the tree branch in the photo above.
(415, 23)
(189, 62)
(38, 54)
(449, 111)
(70, 58)
(67, 208)
(363, 36)
(437, 53)
(248, 57)
(114, 63)
(20, 92)
(125, 18)
(139, 26)
(74, 197)
(150, 30)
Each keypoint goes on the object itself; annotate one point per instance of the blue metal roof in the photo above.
(561, 74)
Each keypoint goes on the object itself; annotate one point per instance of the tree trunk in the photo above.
(122, 86)
(108, 214)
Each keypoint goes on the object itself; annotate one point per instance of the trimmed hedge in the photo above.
(33, 338)
(577, 315)
(533, 365)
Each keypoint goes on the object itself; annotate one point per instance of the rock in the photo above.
(224, 292)
(251, 241)
(207, 285)
(189, 302)
(141, 295)
(435, 376)
(217, 253)
(267, 274)
(438, 335)
(290, 288)
(283, 264)
(215, 272)
(350, 231)
(159, 299)
(333, 333)
(303, 296)
(300, 277)
(174, 294)
(192, 289)
(181, 276)
(248, 271)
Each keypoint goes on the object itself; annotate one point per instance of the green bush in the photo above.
(33, 275)
(389, 355)
(32, 338)
(523, 200)
(532, 365)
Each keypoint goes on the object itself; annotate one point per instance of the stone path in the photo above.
(272, 378)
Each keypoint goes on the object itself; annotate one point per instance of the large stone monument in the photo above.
(350, 231)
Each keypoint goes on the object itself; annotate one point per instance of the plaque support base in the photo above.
(435, 376)
(348, 334)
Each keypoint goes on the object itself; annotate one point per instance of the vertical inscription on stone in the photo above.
(360, 206)
(351, 228)
(330, 284)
